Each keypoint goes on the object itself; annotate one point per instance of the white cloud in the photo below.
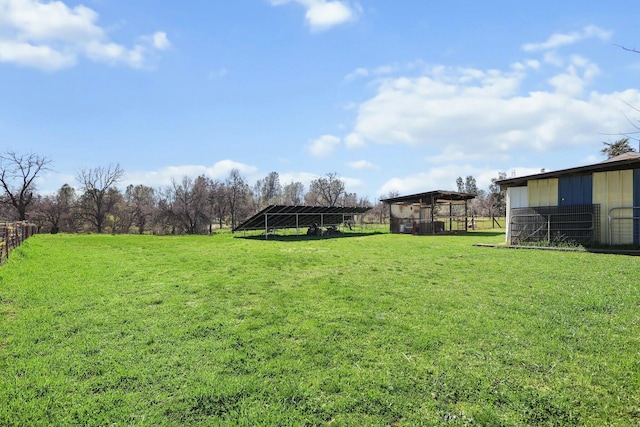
(353, 185)
(160, 40)
(43, 57)
(357, 73)
(304, 177)
(559, 39)
(361, 164)
(443, 177)
(382, 70)
(455, 116)
(219, 73)
(324, 14)
(354, 140)
(222, 168)
(486, 113)
(324, 146)
(163, 177)
(51, 36)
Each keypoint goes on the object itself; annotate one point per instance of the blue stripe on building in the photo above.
(575, 190)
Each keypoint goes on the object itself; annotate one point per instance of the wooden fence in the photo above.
(12, 234)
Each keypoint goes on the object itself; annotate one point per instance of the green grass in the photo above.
(377, 330)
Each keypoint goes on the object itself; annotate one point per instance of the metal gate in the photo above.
(624, 225)
(578, 224)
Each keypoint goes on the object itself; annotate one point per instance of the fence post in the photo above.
(6, 239)
(14, 234)
(3, 246)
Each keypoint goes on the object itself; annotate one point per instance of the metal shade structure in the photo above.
(279, 217)
(424, 213)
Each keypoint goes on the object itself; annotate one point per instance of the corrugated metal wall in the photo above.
(613, 190)
(575, 190)
(543, 192)
(517, 197)
(636, 202)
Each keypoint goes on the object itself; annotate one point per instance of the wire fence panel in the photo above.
(12, 234)
(624, 225)
(579, 224)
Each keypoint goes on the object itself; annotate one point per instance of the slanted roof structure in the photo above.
(431, 197)
(621, 162)
(422, 213)
(277, 217)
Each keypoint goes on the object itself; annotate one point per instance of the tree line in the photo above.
(186, 206)
(488, 204)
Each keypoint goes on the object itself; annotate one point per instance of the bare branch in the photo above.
(17, 175)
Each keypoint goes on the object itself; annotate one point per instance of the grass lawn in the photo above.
(373, 330)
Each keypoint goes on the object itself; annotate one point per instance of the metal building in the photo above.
(593, 204)
(433, 212)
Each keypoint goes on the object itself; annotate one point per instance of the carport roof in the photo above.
(278, 216)
(431, 197)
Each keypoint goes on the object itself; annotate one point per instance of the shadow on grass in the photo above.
(486, 233)
(295, 238)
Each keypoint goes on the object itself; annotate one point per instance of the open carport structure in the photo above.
(432, 212)
(276, 217)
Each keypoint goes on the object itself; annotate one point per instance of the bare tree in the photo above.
(237, 195)
(329, 189)
(271, 189)
(56, 210)
(218, 202)
(293, 194)
(164, 220)
(140, 202)
(118, 216)
(66, 197)
(191, 203)
(381, 209)
(96, 202)
(496, 200)
(17, 178)
(349, 199)
(629, 49)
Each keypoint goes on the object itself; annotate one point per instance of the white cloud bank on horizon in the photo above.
(163, 177)
(322, 14)
(51, 36)
(488, 114)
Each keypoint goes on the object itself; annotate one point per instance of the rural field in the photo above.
(361, 330)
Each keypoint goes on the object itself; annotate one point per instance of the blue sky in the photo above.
(392, 95)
